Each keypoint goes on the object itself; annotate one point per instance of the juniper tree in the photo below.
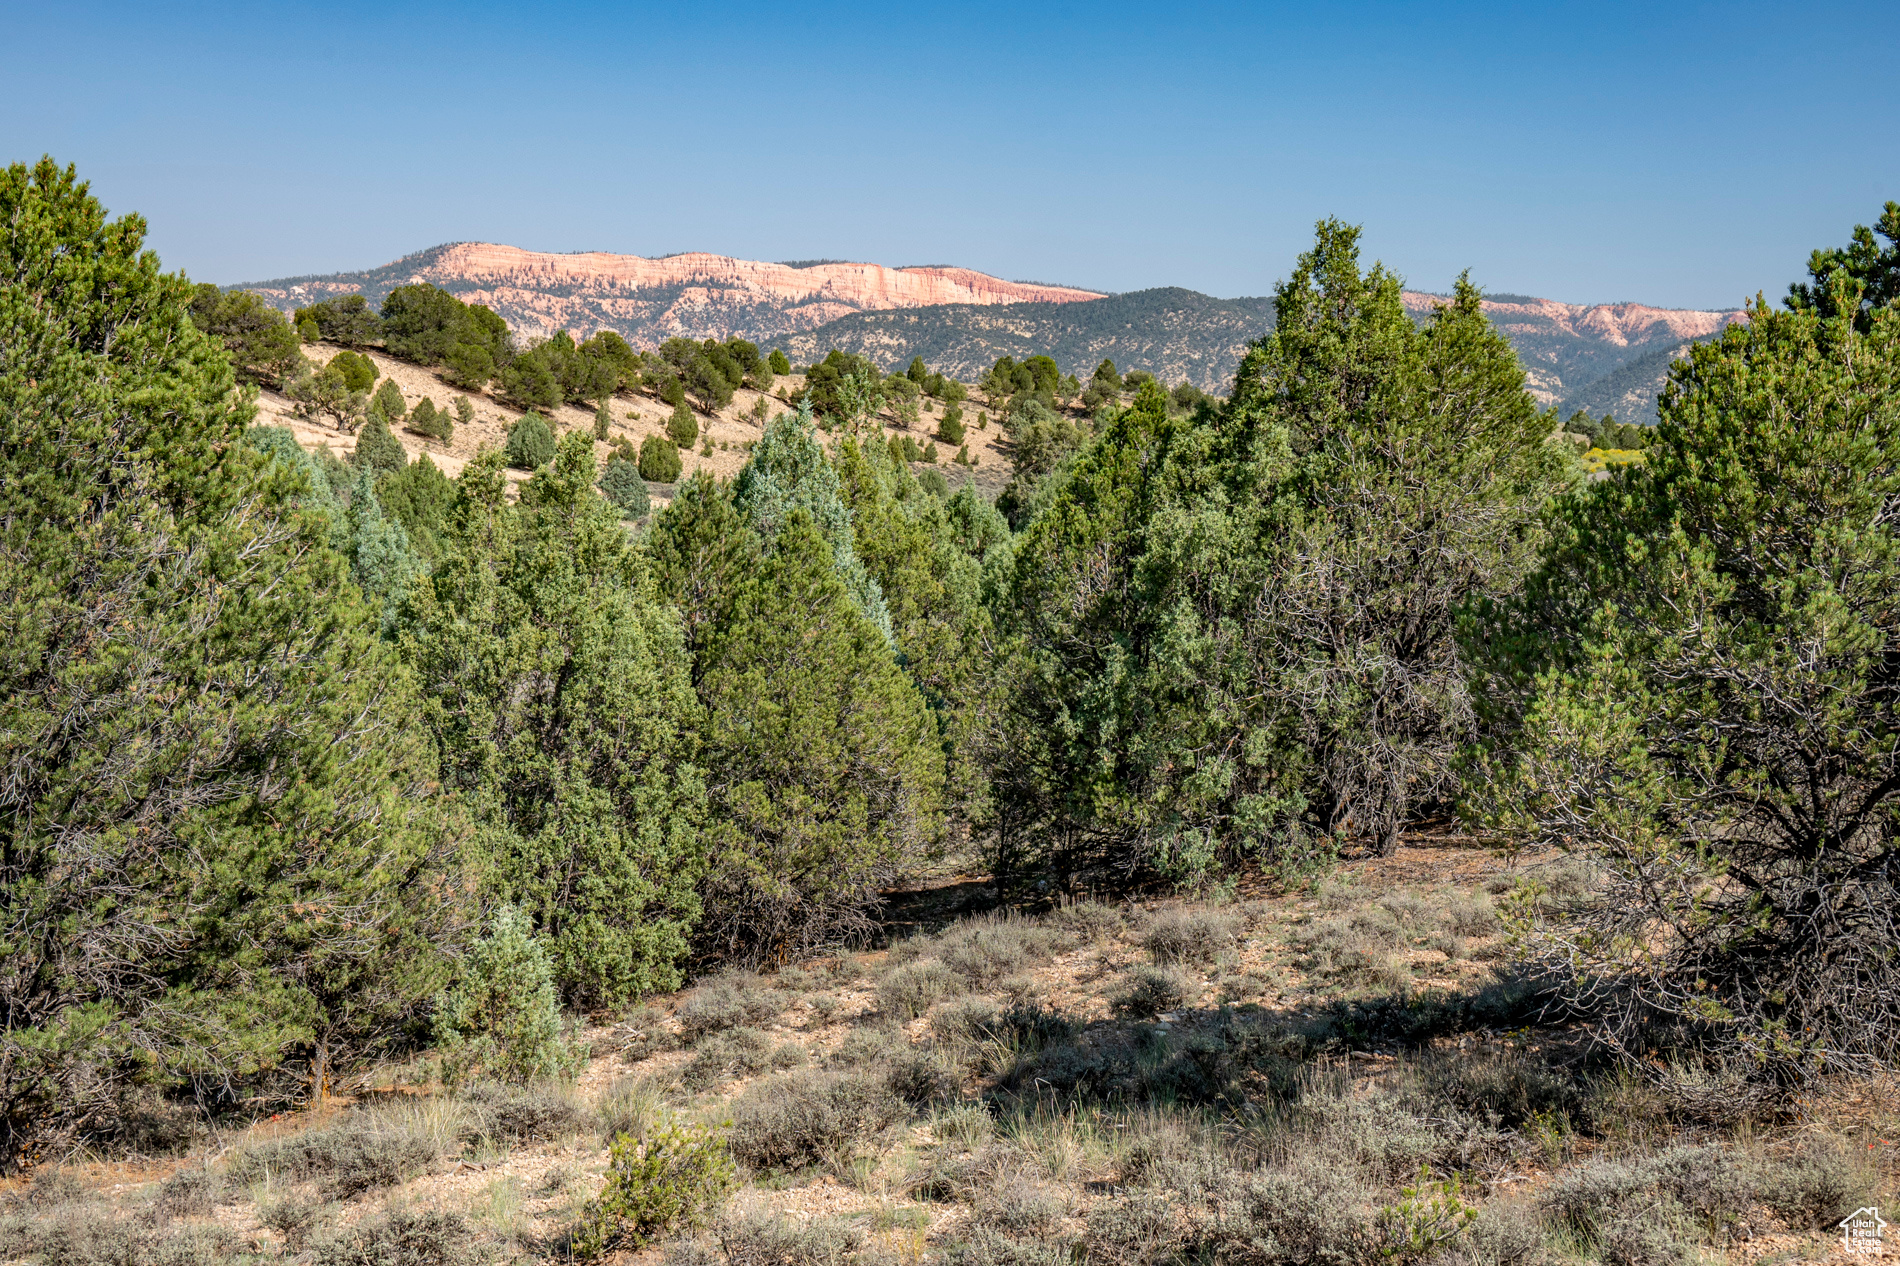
(221, 850)
(1699, 689)
(1238, 627)
(560, 697)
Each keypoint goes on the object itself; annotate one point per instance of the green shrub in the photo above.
(530, 443)
(1187, 936)
(1149, 991)
(603, 422)
(501, 1017)
(933, 482)
(307, 330)
(470, 366)
(912, 989)
(779, 362)
(426, 419)
(659, 459)
(357, 371)
(669, 1182)
(950, 426)
(621, 484)
(402, 1237)
(809, 1118)
(683, 427)
(388, 401)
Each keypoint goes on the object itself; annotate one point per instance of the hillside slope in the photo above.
(1604, 357)
(1172, 333)
(651, 300)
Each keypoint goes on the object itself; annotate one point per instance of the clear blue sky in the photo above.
(1678, 154)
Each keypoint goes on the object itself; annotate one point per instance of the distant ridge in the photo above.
(648, 301)
(1605, 357)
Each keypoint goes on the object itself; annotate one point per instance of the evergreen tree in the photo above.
(825, 769)
(215, 865)
(377, 451)
(621, 484)
(659, 459)
(382, 562)
(560, 697)
(469, 367)
(682, 428)
(418, 497)
(388, 401)
(1871, 274)
(1698, 689)
(603, 421)
(262, 346)
(502, 1018)
(358, 371)
(1238, 627)
(789, 472)
(530, 443)
(779, 363)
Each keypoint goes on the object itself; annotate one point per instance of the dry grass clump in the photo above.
(85, 1233)
(403, 1237)
(727, 1002)
(295, 1219)
(1087, 922)
(630, 1106)
(736, 1053)
(1188, 936)
(1357, 949)
(1471, 916)
(514, 1115)
(989, 947)
(192, 1192)
(757, 1238)
(913, 988)
(810, 1118)
(364, 1152)
(1147, 992)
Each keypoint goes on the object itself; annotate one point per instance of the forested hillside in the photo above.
(1325, 822)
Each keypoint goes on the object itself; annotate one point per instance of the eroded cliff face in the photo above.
(697, 295)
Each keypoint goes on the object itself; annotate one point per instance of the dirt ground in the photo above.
(732, 429)
(520, 1199)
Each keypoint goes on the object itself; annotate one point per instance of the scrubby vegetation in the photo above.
(355, 813)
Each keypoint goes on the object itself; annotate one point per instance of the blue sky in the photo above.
(1685, 155)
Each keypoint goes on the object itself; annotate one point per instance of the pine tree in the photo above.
(779, 363)
(603, 421)
(824, 766)
(388, 402)
(382, 562)
(501, 1018)
(1698, 690)
(621, 484)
